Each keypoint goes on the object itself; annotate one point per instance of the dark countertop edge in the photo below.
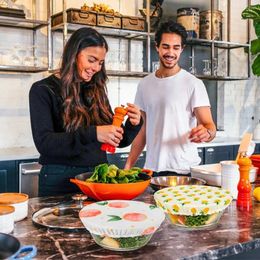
(226, 251)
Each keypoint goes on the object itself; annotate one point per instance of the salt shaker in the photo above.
(230, 177)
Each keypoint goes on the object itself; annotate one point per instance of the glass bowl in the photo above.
(199, 222)
(122, 243)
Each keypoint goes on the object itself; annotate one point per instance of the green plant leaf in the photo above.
(255, 46)
(256, 66)
(257, 28)
(251, 12)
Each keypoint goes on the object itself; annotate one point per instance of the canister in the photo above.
(189, 18)
(19, 201)
(6, 219)
(205, 25)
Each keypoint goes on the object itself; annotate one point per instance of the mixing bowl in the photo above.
(161, 182)
(111, 191)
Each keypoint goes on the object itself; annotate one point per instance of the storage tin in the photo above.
(189, 18)
(107, 20)
(75, 16)
(133, 23)
(19, 201)
(6, 219)
(205, 25)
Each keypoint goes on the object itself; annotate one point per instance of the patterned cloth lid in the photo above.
(192, 199)
(121, 218)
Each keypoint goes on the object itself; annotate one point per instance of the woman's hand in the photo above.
(110, 134)
(133, 113)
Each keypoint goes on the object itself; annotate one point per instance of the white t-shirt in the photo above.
(169, 106)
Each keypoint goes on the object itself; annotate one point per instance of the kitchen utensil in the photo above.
(193, 207)
(10, 248)
(108, 191)
(19, 201)
(121, 225)
(118, 118)
(244, 144)
(244, 199)
(161, 182)
(63, 216)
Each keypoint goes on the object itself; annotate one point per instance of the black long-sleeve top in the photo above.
(56, 146)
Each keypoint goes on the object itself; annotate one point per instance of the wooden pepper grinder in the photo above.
(118, 119)
(244, 200)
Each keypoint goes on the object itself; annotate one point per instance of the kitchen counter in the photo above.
(236, 232)
(23, 153)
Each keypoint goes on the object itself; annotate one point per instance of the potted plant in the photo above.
(253, 12)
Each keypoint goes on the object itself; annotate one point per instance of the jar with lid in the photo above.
(19, 201)
(6, 219)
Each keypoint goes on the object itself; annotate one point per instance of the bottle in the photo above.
(244, 200)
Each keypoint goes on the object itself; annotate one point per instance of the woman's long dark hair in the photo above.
(75, 112)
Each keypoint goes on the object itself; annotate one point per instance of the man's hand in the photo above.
(199, 134)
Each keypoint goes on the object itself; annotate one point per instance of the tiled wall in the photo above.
(237, 100)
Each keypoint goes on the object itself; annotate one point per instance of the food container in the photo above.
(109, 191)
(6, 219)
(133, 23)
(211, 173)
(189, 18)
(75, 16)
(19, 201)
(255, 158)
(161, 182)
(205, 25)
(121, 225)
(107, 20)
(193, 207)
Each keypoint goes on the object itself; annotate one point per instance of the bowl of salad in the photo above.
(108, 182)
(121, 225)
(193, 207)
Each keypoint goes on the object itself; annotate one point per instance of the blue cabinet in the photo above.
(9, 179)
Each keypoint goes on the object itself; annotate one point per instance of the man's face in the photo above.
(169, 50)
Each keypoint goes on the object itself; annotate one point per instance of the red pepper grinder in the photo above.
(244, 200)
(118, 119)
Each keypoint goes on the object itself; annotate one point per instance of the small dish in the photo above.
(158, 183)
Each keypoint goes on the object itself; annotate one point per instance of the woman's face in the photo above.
(89, 61)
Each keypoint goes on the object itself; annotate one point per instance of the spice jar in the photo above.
(6, 219)
(19, 201)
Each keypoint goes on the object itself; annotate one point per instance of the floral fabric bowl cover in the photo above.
(121, 218)
(192, 199)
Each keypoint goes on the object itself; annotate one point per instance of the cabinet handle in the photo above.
(210, 150)
(200, 150)
(124, 155)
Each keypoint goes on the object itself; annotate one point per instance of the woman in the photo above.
(71, 116)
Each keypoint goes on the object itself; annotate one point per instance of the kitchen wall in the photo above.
(236, 99)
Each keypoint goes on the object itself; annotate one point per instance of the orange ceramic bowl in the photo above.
(111, 191)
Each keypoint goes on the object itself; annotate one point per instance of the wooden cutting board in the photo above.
(244, 144)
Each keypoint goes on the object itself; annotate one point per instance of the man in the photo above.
(175, 108)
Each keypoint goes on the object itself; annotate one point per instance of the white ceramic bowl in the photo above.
(211, 173)
(6, 219)
(19, 201)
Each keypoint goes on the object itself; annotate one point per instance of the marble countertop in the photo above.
(236, 232)
(23, 153)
